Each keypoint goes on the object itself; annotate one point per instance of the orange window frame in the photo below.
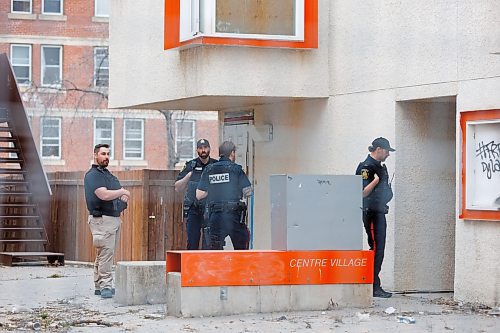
(172, 26)
(465, 117)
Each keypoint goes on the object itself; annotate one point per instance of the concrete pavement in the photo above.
(61, 299)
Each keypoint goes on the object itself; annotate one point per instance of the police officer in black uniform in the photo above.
(194, 209)
(377, 193)
(224, 184)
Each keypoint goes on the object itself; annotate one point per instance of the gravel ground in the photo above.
(60, 299)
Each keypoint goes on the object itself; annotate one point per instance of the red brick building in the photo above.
(59, 52)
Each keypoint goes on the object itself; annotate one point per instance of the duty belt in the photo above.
(226, 206)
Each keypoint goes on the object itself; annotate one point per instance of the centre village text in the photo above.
(332, 262)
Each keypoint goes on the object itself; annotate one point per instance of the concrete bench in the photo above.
(216, 283)
(231, 300)
(140, 282)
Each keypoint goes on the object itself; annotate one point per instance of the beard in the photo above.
(203, 155)
(103, 163)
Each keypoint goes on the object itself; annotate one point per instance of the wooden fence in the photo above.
(152, 223)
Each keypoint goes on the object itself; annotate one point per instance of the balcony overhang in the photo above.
(219, 103)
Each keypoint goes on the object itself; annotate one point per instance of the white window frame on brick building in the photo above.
(15, 9)
(49, 11)
(185, 139)
(21, 62)
(101, 67)
(133, 139)
(101, 8)
(104, 132)
(50, 137)
(57, 68)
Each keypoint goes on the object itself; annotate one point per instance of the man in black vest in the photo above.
(377, 193)
(106, 199)
(194, 209)
(224, 184)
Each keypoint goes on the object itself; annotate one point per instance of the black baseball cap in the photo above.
(202, 142)
(382, 143)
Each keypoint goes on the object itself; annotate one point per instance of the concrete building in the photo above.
(59, 53)
(311, 97)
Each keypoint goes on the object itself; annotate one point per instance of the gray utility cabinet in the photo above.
(316, 212)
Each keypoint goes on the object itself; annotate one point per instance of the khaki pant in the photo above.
(105, 235)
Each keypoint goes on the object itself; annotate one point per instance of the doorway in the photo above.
(425, 195)
(236, 130)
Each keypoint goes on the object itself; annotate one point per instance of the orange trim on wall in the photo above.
(172, 26)
(469, 214)
(257, 268)
(171, 29)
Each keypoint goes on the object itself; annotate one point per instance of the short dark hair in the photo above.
(226, 148)
(99, 146)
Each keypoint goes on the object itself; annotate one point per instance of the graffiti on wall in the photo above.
(489, 154)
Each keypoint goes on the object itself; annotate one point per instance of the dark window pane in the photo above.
(50, 151)
(185, 149)
(185, 128)
(51, 76)
(52, 6)
(22, 74)
(51, 56)
(21, 6)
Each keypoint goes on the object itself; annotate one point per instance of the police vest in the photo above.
(197, 168)
(382, 193)
(223, 182)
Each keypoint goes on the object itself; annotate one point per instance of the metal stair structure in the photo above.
(24, 190)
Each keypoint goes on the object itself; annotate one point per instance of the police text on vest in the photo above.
(219, 178)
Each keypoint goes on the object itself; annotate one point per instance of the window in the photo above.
(20, 57)
(51, 65)
(264, 23)
(52, 7)
(101, 67)
(265, 19)
(104, 133)
(480, 165)
(133, 140)
(185, 139)
(51, 137)
(102, 8)
(21, 6)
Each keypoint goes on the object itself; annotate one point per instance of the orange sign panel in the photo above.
(254, 267)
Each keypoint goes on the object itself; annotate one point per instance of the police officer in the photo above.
(377, 193)
(224, 184)
(192, 208)
(105, 199)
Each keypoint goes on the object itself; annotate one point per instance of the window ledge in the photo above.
(142, 163)
(53, 161)
(51, 90)
(24, 87)
(111, 162)
(21, 16)
(101, 89)
(55, 17)
(100, 19)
